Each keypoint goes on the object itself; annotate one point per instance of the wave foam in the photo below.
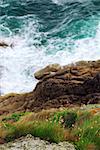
(28, 55)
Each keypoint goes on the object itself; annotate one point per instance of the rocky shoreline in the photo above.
(58, 95)
(58, 86)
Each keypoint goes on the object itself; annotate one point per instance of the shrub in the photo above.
(65, 117)
(70, 119)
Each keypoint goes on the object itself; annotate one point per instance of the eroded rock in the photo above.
(47, 71)
(73, 84)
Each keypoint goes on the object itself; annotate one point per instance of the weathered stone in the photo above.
(78, 83)
(31, 143)
(47, 71)
(53, 88)
(74, 84)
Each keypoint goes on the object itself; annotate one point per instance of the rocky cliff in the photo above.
(58, 86)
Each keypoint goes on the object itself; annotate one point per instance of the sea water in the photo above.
(43, 32)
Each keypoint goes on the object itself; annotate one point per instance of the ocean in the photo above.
(43, 32)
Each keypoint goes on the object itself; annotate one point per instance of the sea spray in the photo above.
(42, 33)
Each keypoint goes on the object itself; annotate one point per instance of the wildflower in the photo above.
(80, 129)
(95, 122)
(91, 127)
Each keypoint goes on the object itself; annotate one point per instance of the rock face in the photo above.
(78, 83)
(16, 103)
(31, 143)
(53, 88)
(58, 86)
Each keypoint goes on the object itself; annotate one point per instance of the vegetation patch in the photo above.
(81, 127)
(14, 117)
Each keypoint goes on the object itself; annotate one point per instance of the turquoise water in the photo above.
(44, 32)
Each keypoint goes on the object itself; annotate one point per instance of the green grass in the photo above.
(82, 127)
(88, 133)
(66, 118)
(44, 130)
(15, 117)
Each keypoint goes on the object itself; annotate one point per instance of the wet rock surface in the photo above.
(58, 86)
(31, 143)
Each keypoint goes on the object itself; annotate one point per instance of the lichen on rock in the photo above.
(31, 143)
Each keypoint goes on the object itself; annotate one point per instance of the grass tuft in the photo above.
(74, 125)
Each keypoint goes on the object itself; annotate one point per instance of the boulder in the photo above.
(4, 44)
(73, 84)
(54, 88)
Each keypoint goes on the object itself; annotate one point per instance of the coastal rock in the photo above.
(31, 143)
(55, 88)
(47, 71)
(11, 103)
(73, 84)
(4, 44)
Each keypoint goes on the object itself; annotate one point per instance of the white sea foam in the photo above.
(27, 56)
(62, 2)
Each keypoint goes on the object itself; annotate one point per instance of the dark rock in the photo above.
(69, 119)
(53, 88)
(77, 83)
(4, 44)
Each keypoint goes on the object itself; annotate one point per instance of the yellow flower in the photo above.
(91, 127)
(95, 122)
